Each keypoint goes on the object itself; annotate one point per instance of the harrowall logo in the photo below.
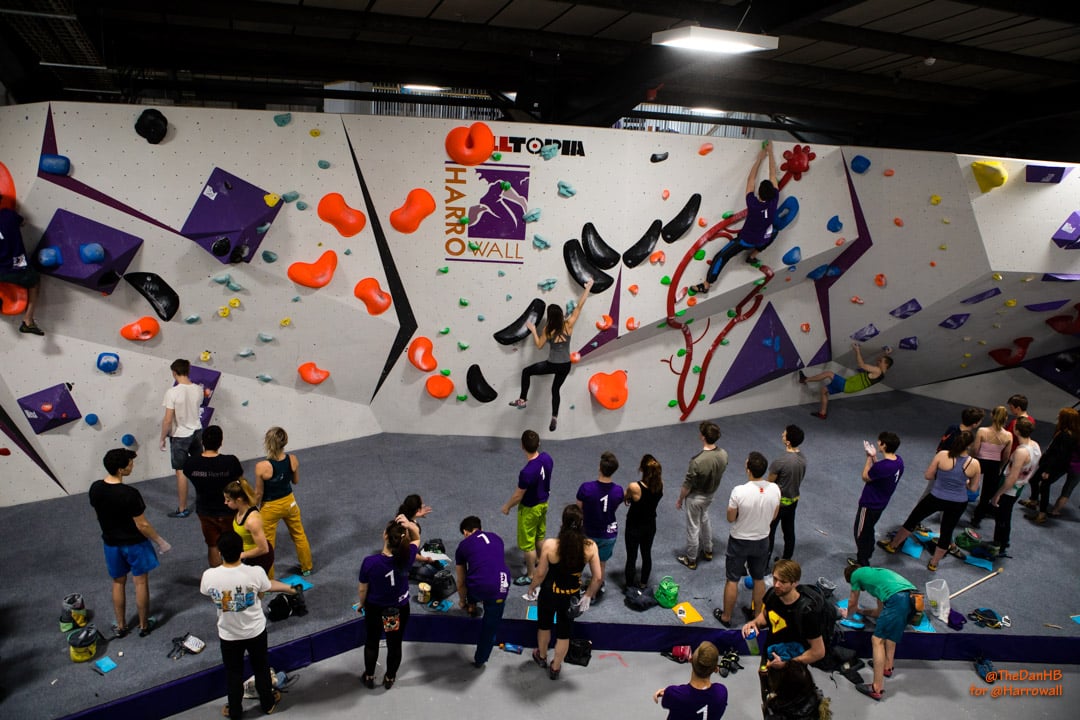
(485, 212)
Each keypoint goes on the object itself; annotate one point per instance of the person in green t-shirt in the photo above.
(894, 609)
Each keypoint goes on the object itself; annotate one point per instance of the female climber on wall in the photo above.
(557, 331)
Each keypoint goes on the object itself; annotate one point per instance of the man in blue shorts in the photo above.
(129, 539)
(531, 497)
(832, 383)
(598, 500)
(757, 229)
(893, 612)
(701, 698)
(482, 578)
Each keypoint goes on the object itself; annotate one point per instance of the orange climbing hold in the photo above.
(143, 329)
(856, 300)
(13, 299)
(604, 323)
(439, 386)
(633, 289)
(312, 373)
(632, 323)
(880, 280)
(317, 274)
(889, 172)
(418, 205)
(470, 145)
(691, 301)
(609, 389)
(805, 327)
(421, 354)
(898, 222)
(657, 257)
(7, 188)
(666, 194)
(705, 149)
(839, 242)
(372, 295)
(346, 220)
(701, 222)
(575, 357)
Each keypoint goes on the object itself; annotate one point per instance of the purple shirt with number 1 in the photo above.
(483, 556)
(684, 702)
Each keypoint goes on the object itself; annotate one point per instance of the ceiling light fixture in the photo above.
(421, 88)
(728, 42)
(707, 111)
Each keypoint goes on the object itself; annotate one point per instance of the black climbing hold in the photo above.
(582, 270)
(682, 222)
(152, 125)
(478, 386)
(658, 157)
(221, 247)
(157, 292)
(599, 253)
(517, 330)
(643, 248)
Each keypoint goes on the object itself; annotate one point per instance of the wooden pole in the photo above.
(977, 582)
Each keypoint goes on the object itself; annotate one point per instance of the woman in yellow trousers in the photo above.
(274, 480)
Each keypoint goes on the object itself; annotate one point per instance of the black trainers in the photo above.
(151, 623)
(30, 328)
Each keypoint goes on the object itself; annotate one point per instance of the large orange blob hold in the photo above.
(439, 386)
(421, 354)
(317, 274)
(418, 205)
(373, 297)
(312, 373)
(609, 389)
(143, 329)
(346, 220)
(7, 188)
(470, 145)
(13, 299)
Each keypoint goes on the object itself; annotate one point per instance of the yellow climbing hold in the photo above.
(1010, 303)
(314, 132)
(271, 199)
(996, 276)
(205, 356)
(989, 174)
(234, 302)
(942, 246)
(286, 322)
(223, 311)
(935, 199)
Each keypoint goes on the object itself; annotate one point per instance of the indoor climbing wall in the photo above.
(346, 275)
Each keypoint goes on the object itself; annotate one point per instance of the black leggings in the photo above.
(951, 511)
(991, 481)
(639, 538)
(785, 519)
(373, 626)
(546, 367)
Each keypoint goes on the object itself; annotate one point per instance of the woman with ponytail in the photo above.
(642, 497)
(558, 581)
(274, 480)
(384, 597)
(248, 524)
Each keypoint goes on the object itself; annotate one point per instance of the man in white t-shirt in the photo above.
(237, 591)
(182, 425)
(751, 509)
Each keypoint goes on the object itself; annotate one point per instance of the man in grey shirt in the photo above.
(787, 471)
(702, 478)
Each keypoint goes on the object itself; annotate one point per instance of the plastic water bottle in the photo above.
(751, 642)
(510, 647)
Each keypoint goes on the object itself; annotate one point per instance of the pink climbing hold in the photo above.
(418, 205)
(421, 354)
(346, 220)
(312, 373)
(317, 274)
(375, 300)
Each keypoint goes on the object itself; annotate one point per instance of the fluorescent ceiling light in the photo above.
(422, 88)
(708, 111)
(695, 37)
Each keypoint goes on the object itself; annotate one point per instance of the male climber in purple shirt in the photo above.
(757, 229)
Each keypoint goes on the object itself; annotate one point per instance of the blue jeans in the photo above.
(489, 626)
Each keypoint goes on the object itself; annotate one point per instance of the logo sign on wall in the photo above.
(485, 210)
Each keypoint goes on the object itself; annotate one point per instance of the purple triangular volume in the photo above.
(909, 343)
(823, 355)
(17, 437)
(227, 217)
(955, 322)
(865, 333)
(903, 312)
(1061, 369)
(603, 337)
(61, 408)
(49, 147)
(68, 231)
(984, 295)
(767, 354)
(1047, 306)
(1060, 277)
(1049, 174)
(1067, 236)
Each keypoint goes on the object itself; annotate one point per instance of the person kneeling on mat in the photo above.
(893, 612)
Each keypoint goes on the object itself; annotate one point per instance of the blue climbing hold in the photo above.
(91, 253)
(818, 272)
(54, 164)
(860, 164)
(108, 362)
(50, 257)
(786, 213)
(792, 256)
(834, 224)
(128, 440)
(91, 419)
(269, 256)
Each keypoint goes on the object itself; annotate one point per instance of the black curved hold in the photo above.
(478, 386)
(658, 157)
(582, 270)
(599, 253)
(517, 331)
(152, 126)
(682, 222)
(157, 292)
(643, 248)
(221, 246)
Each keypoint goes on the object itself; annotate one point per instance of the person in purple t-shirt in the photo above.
(482, 577)
(757, 229)
(531, 497)
(880, 478)
(598, 500)
(15, 269)
(384, 597)
(701, 698)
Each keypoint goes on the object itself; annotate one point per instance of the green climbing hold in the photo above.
(731, 313)
(444, 269)
(463, 220)
(690, 321)
(462, 345)
(699, 255)
(269, 256)
(696, 369)
(444, 331)
(445, 372)
(725, 341)
(496, 156)
(760, 281)
(728, 214)
(505, 185)
(474, 246)
(666, 280)
(291, 196)
(701, 397)
(462, 398)
(348, 251)
(662, 325)
(681, 352)
(324, 164)
(283, 119)
(672, 403)
(463, 302)
(680, 313)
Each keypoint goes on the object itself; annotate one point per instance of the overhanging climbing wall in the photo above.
(347, 275)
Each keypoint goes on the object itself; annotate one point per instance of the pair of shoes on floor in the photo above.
(369, 682)
(151, 623)
(1029, 503)
(931, 566)
(886, 546)
(868, 690)
(985, 670)
(30, 328)
(819, 416)
(706, 556)
(684, 560)
(523, 580)
(519, 403)
(388, 682)
(178, 513)
(541, 662)
(888, 671)
(1038, 518)
(718, 613)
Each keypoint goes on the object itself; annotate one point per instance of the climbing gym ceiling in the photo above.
(993, 77)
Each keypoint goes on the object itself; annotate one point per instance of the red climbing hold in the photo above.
(346, 220)
(317, 274)
(312, 373)
(421, 354)
(418, 205)
(609, 389)
(470, 145)
(372, 295)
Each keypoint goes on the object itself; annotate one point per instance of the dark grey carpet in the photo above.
(349, 490)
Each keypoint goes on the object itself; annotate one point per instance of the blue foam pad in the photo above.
(291, 580)
(912, 547)
(979, 562)
(925, 626)
(105, 664)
